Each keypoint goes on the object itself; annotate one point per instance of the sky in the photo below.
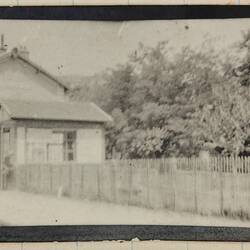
(88, 47)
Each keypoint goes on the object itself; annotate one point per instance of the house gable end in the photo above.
(42, 71)
(21, 80)
(4, 113)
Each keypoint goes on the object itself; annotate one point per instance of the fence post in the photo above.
(26, 177)
(195, 185)
(130, 182)
(51, 178)
(113, 179)
(220, 165)
(70, 180)
(234, 179)
(82, 180)
(39, 178)
(173, 170)
(98, 182)
(148, 195)
(30, 177)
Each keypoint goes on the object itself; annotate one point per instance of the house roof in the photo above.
(16, 54)
(60, 111)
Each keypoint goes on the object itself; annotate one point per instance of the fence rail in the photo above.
(218, 185)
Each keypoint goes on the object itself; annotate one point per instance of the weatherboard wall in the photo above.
(90, 145)
(90, 138)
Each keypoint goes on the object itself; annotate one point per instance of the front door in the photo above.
(7, 154)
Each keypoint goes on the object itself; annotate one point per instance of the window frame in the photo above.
(66, 153)
(65, 142)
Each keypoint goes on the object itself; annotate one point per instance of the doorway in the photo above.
(7, 156)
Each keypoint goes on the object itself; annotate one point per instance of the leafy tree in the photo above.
(175, 105)
(226, 120)
(169, 95)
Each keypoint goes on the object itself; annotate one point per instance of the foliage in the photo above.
(175, 105)
(227, 120)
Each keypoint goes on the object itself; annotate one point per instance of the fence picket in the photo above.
(50, 178)
(82, 182)
(147, 185)
(169, 182)
(195, 185)
(220, 165)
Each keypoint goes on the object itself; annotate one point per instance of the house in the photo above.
(38, 122)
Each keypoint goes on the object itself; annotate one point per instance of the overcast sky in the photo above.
(88, 47)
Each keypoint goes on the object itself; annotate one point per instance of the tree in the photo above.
(226, 120)
(175, 105)
(169, 95)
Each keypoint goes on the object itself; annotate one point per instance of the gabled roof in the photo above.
(56, 111)
(16, 54)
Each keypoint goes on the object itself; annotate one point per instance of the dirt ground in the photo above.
(19, 208)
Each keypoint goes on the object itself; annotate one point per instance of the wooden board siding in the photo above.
(20, 145)
(90, 146)
(90, 139)
(58, 124)
(20, 81)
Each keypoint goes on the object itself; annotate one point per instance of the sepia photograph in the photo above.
(127, 245)
(132, 122)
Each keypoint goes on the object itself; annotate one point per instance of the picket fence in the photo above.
(217, 185)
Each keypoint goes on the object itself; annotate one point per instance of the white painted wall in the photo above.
(39, 135)
(20, 145)
(90, 143)
(90, 146)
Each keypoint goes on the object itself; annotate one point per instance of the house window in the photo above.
(69, 145)
(55, 148)
(62, 147)
(36, 145)
(44, 145)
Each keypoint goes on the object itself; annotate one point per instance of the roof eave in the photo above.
(40, 69)
(34, 65)
(109, 118)
(53, 119)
